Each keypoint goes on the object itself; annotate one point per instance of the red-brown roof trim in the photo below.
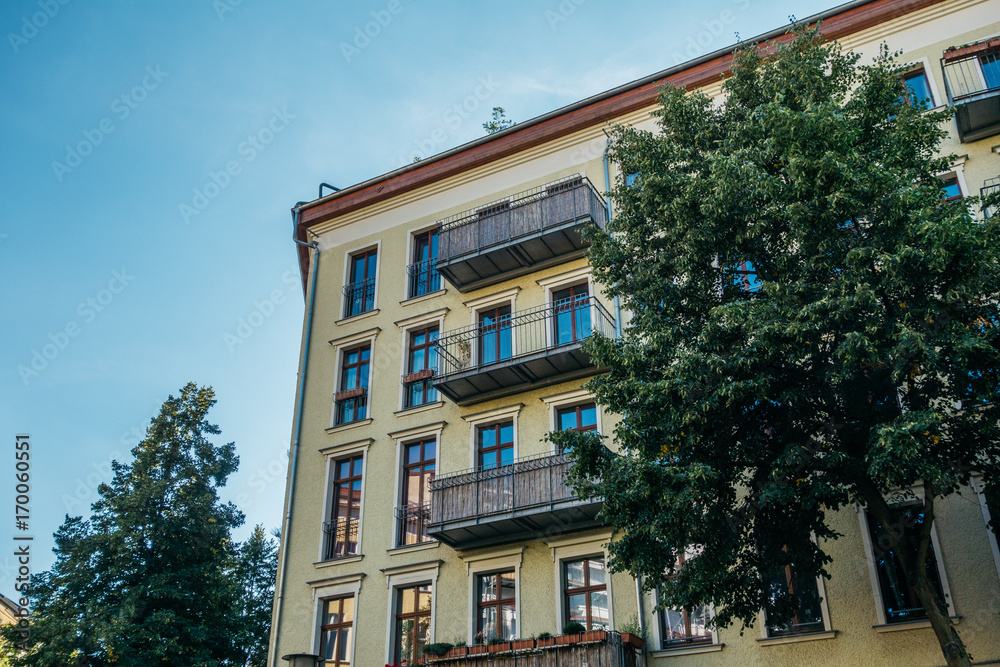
(837, 22)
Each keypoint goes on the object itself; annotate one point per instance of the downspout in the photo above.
(286, 529)
(607, 189)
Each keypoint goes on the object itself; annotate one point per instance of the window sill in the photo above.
(339, 561)
(795, 639)
(910, 625)
(691, 650)
(359, 316)
(419, 408)
(413, 547)
(423, 297)
(347, 427)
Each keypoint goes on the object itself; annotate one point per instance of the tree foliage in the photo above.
(153, 575)
(808, 311)
(498, 122)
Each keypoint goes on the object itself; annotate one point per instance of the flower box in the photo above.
(350, 393)
(564, 640)
(418, 376)
(478, 649)
(594, 636)
(523, 644)
(634, 640)
(499, 647)
(457, 652)
(543, 642)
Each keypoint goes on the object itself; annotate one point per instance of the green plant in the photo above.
(497, 640)
(479, 639)
(460, 643)
(438, 649)
(574, 628)
(544, 635)
(633, 627)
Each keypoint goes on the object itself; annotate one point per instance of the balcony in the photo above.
(340, 538)
(990, 187)
(359, 297)
(423, 278)
(524, 233)
(525, 350)
(528, 498)
(599, 648)
(411, 524)
(972, 80)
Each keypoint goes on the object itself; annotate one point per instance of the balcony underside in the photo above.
(546, 367)
(521, 524)
(979, 118)
(550, 246)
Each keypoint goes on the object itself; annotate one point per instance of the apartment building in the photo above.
(446, 306)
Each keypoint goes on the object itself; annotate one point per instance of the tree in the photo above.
(807, 312)
(256, 570)
(149, 577)
(499, 121)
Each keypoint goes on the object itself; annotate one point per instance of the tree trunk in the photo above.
(915, 567)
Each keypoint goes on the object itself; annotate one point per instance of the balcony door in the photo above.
(571, 315)
(496, 445)
(494, 335)
(418, 472)
(424, 277)
(360, 290)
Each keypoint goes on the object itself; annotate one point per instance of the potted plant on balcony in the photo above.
(418, 376)
(571, 633)
(545, 639)
(438, 650)
(632, 633)
(499, 645)
(459, 650)
(478, 644)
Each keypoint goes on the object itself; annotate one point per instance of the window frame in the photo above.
(924, 65)
(335, 587)
(883, 623)
(826, 633)
(587, 589)
(660, 625)
(498, 560)
(411, 254)
(991, 536)
(498, 604)
(406, 327)
(575, 548)
(405, 576)
(566, 280)
(492, 302)
(563, 400)
(485, 418)
(349, 256)
(337, 626)
(401, 439)
(335, 504)
(340, 345)
(497, 449)
(345, 367)
(332, 456)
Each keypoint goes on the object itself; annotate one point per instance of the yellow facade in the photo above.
(853, 632)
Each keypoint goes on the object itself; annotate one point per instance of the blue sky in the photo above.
(151, 154)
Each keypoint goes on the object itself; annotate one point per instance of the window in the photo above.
(359, 292)
(686, 627)
(580, 418)
(746, 277)
(898, 599)
(494, 335)
(809, 610)
(421, 364)
(413, 622)
(342, 529)
(495, 445)
(632, 178)
(418, 471)
(918, 89)
(423, 274)
(496, 615)
(585, 593)
(352, 399)
(951, 188)
(335, 632)
(572, 314)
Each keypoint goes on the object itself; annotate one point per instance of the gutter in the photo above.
(286, 528)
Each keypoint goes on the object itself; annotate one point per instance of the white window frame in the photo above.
(957, 171)
(658, 651)
(401, 439)
(494, 561)
(553, 284)
(487, 418)
(577, 548)
(492, 301)
(348, 254)
(826, 633)
(340, 345)
(568, 399)
(401, 577)
(994, 539)
(411, 235)
(883, 624)
(328, 589)
(406, 326)
(331, 456)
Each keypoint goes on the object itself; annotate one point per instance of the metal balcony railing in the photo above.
(412, 521)
(990, 186)
(424, 277)
(524, 333)
(359, 297)
(530, 212)
(972, 70)
(528, 483)
(341, 538)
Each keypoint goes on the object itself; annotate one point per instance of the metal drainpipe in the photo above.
(286, 530)
(607, 188)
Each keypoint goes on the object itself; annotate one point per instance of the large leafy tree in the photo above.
(153, 576)
(808, 314)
